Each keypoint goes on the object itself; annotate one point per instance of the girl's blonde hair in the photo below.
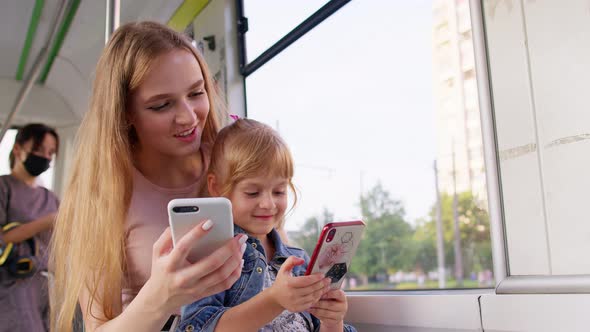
(248, 148)
(88, 245)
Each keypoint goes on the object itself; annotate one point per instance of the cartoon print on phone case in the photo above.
(332, 261)
(336, 272)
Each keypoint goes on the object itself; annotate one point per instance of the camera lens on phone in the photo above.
(185, 209)
(330, 236)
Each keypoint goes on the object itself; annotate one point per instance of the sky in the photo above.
(353, 99)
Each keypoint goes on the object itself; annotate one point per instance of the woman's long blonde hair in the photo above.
(88, 245)
(248, 148)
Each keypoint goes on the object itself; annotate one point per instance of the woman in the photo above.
(145, 140)
(27, 212)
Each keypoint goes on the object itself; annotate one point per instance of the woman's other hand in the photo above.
(174, 281)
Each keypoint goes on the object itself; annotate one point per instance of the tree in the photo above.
(387, 235)
(474, 229)
(421, 253)
(308, 237)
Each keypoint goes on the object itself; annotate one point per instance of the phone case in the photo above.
(335, 249)
(185, 213)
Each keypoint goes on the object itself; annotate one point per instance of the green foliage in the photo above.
(390, 243)
(308, 237)
(474, 229)
(422, 249)
(387, 236)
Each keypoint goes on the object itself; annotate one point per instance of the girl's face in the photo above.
(259, 204)
(170, 107)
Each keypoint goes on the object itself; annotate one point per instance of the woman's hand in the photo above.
(330, 310)
(174, 281)
(297, 294)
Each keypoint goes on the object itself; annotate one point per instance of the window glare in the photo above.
(5, 148)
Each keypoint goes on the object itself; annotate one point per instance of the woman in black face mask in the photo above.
(27, 213)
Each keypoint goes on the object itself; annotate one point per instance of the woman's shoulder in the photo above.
(53, 196)
(48, 195)
(10, 185)
(5, 181)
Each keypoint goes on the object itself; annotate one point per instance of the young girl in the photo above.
(252, 166)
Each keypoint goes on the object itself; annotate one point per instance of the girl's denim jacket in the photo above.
(203, 315)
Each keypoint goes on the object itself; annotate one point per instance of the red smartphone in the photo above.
(335, 249)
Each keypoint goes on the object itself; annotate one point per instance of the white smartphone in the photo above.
(335, 249)
(185, 213)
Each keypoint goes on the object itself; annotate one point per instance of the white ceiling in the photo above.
(63, 98)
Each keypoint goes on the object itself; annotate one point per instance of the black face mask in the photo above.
(36, 165)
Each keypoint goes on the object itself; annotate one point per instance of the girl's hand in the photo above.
(330, 310)
(174, 281)
(297, 294)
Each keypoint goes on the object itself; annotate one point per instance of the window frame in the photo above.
(247, 68)
(505, 282)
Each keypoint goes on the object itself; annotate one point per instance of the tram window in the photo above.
(5, 148)
(364, 103)
(45, 179)
(282, 16)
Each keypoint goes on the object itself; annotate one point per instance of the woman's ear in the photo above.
(212, 185)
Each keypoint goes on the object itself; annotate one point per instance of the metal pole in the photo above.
(35, 70)
(316, 18)
(440, 244)
(490, 144)
(112, 18)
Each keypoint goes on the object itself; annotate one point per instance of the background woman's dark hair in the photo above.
(36, 132)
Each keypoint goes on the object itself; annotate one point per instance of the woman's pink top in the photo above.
(147, 219)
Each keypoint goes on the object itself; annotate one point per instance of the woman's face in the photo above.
(170, 107)
(35, 166)
(46, 149)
